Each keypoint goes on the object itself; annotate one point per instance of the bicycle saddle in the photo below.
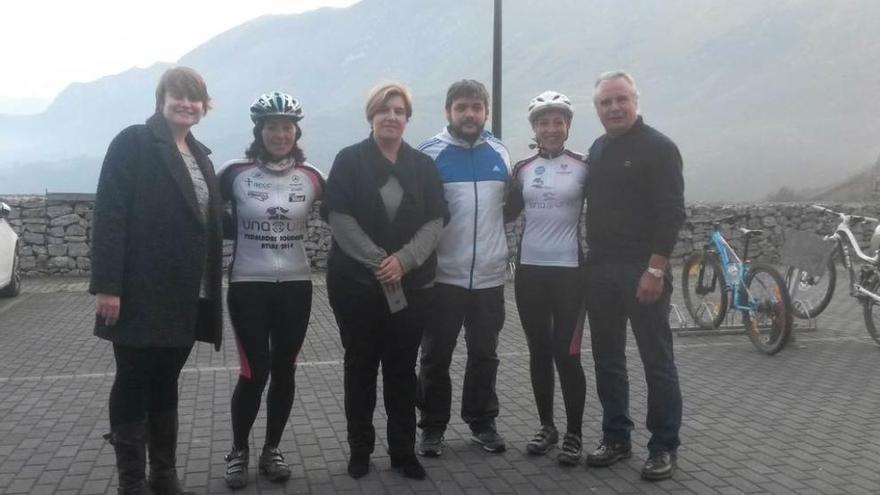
(750, 232)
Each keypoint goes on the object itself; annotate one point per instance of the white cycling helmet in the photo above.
(550, 100)
(276, 103)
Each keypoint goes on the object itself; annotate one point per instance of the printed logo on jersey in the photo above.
(277, 213)
(258, 195)
(296, 198)
(538, 182)
(540, 170)
(257, 184)
(549, 202)
(278, 234)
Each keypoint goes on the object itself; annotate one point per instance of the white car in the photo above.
(10, 263)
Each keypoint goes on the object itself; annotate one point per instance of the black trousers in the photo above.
(372, 335)
(611, 301)
(270, 321)
(482, 313)
(550, 301)
(145, 382)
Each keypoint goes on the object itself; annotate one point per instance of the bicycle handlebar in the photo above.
(843, 216)
(728, 218)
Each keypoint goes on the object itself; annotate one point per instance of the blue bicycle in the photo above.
(716, 277)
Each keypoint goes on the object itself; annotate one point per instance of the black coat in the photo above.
(150, 244)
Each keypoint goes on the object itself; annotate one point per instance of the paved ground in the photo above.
(806, 421)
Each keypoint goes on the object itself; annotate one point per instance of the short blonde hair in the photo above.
(380, 95)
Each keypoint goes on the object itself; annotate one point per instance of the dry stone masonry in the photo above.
(55, 229)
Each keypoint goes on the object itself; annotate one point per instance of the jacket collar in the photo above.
(381, 168)
(172, 160)
(637, 127)
(159, 126)
(449, 138)
(548, 155)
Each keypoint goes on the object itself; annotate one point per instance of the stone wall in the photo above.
(55, 229)
(773, 218)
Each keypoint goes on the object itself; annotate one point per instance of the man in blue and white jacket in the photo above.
(472, 260)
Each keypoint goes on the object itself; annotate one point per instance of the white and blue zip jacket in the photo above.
(472, 252)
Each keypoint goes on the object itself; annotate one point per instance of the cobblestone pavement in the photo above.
(806, 421)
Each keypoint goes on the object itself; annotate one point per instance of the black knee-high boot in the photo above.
(162, 446)
(129, 441)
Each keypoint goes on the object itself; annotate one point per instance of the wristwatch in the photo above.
(655, 272)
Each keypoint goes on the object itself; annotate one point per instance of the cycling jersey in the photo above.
(269, 212)
(472, 252)
(551, 192)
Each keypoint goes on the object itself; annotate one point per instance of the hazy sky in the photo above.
(45, 45)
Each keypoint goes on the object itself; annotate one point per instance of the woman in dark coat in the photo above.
(384, 202)
(156, 274)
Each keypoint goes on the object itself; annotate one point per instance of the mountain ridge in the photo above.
(758, 95)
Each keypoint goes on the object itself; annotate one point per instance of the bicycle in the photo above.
(814, 293)
(757, 290)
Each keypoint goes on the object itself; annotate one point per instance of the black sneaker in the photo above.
(608, 453)
(544, 440)
(272, 464)
(409, 466)
(236, 474)
(490, 440)
(659, 466)
(431, 444)
(571, 452)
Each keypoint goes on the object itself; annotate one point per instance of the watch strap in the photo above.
(655, 272)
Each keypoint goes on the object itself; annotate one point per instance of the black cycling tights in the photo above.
(270, 321)
(550, 301)
(146, 381)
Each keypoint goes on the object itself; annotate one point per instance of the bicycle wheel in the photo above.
(770, 318)
(705, 294)
(871, 309)
(810, 294)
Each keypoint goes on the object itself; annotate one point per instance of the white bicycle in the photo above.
(811, 293)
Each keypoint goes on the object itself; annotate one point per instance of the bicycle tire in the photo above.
(871, 311)
(815, 292)
(770, 327)
(702, 272)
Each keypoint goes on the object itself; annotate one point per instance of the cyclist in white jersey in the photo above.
(271, 193)
(548, 188)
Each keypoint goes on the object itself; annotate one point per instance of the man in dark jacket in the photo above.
(635, 207)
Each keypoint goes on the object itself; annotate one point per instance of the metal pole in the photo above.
(496, 73)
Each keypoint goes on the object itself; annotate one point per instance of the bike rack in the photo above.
(806, 307)
(706, 308)
(684, 326)
(682, 320)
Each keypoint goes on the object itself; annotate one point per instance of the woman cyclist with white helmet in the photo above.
(548, 188)
(271, 192)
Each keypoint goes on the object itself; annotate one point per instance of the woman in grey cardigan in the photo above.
(156, 274)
